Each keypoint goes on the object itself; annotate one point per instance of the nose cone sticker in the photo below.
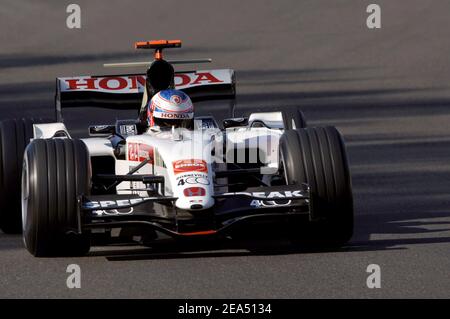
(190, 165)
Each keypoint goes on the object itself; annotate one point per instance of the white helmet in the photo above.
(170, 108)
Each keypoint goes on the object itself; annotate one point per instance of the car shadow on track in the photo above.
(388, 231)
(216, 249)
(416, 233)
(171, 249)
(10, 242)
(402, 190)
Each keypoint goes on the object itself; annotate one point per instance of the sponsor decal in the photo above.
(199, 78)
(193, 174)
(138, 152)
(128, 129)
(104, 207)
(113, 212)
(192, 179)
(270, 199)
(105, 204)
(271, 203)
(172, 115)
(136, 83)
(194, 191)
(175, 99)
(190, 165)
(270, 195)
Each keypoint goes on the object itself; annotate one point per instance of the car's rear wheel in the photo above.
(14, 137)
(316, 156)
(293, 119)
(55, 173)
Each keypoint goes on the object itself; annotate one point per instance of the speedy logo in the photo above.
(136, 83)
(190, 165)
(138, 152)
(110, 207)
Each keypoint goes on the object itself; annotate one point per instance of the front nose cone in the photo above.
(196, 203)
(195, 198)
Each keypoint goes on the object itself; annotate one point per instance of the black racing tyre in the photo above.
(55, 173)
(316, 156)
(293, 119)
(14, 137)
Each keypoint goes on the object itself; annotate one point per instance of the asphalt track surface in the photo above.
(386, 90)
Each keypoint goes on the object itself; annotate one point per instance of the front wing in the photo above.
(271, 203)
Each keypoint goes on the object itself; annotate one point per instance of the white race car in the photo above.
(266, 168)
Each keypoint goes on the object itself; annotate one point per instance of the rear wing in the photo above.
(126, 91)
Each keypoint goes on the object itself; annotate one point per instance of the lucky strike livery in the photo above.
(187, 182)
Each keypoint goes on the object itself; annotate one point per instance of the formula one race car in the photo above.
(202, 182)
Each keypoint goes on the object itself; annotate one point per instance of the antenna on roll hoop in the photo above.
(158, 46)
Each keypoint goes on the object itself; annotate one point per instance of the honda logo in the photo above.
(194, 191)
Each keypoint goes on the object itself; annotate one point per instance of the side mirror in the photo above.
(234, 122)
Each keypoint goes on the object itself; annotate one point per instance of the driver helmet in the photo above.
(169, 108)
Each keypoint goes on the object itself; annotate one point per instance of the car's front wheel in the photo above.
(55, 173)
(316, 157)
